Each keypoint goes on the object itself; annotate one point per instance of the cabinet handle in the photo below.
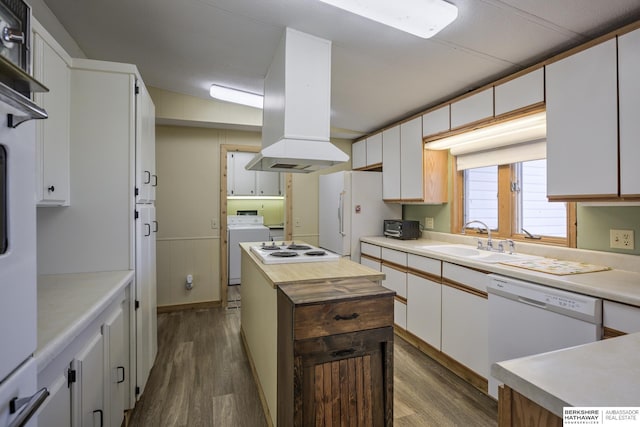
(120, 369)
(51, 189)
(148, 179)
(148, 233)
(13, 35)
(155, 226)
(155, 181)
(342, 353)
(349, 317)
(32, 404)
(99, 411)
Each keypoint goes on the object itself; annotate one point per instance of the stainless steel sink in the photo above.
(467, 252)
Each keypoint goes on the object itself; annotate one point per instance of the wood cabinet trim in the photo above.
(611, 333)
(423, 274)
(370, 257)
(393, 265)
(401, 299)
(464, 288)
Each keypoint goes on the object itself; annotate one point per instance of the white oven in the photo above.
(19, 398)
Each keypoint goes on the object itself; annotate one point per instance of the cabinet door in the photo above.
(244, 181)
(619, 318)
(146, 317)
(88, 391)
(56, 409)
(436, 121)
(400, 313)
(424, 309)
(368, 262)
(52, 134)
(374, 149)
(520, 92)
(629, 99)
(359, 154)
(118, 372)
(344, 380)
(395, 280)
(582, 124)
(411, 160)
(146, 178)
(391, 163)
(268, 183)
(472, 109)
(465, 329)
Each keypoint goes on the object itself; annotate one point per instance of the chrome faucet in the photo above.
(489, 241)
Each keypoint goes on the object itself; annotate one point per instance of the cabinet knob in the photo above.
(51, 189)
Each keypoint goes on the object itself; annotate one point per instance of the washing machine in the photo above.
(242, 228)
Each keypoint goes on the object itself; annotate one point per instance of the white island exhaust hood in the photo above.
(297, 108)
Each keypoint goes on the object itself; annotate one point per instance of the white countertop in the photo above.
(621, 284)
(67, 303)
(603, 373)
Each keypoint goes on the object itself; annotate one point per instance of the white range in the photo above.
(273, 253)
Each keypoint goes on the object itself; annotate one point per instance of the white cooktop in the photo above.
(287, 253)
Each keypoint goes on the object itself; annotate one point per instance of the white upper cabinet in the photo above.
(374, 149)
(359, 154)
(472, 109)
(146, 178)
(436, 121)
(51, 67)
(391, 162)
(268, 184)
(520, 92)
(629, 102)
(411, 160)
(582, 124)
(242, 182)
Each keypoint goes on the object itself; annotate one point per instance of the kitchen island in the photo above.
(259, 314)
(599, 374)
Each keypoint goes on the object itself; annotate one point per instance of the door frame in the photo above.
(288, 206)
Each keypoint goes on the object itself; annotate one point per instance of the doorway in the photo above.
(224, 212)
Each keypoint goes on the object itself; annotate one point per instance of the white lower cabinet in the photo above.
(619, 319)
(465, 332)
(400, 314)
(396, 280)
(87, 391)
(424, 309)
(371, 263)
(89, 379)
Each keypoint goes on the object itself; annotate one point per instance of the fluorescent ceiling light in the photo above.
(524, 129)
(422, 18)
(236, 96)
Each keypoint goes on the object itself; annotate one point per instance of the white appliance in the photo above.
(297, 108)
(289, 253)
(18, 281)
(242, 228)
(351, 207)
(526, 319)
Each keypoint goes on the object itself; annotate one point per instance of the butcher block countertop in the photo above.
(308, 272)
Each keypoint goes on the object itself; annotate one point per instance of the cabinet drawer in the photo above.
(465, 276)
(319, 320)
(372, 250)
(426, 265)
(396, 257)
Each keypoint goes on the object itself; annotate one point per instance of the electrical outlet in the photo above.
(621, 239)
(428, 223)
(297, 223)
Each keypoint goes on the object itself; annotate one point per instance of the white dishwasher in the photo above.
(526, 319)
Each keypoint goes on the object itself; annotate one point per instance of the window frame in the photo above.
(507, 209)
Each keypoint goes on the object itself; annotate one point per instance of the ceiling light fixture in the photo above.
(236, 96)
(422, 18)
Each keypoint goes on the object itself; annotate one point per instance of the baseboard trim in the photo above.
(190, 306)
(263, 399)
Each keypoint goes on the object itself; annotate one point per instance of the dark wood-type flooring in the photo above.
(202, 378)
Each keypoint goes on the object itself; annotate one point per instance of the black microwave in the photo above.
(402, 229)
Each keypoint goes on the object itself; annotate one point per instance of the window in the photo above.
(512, 200)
